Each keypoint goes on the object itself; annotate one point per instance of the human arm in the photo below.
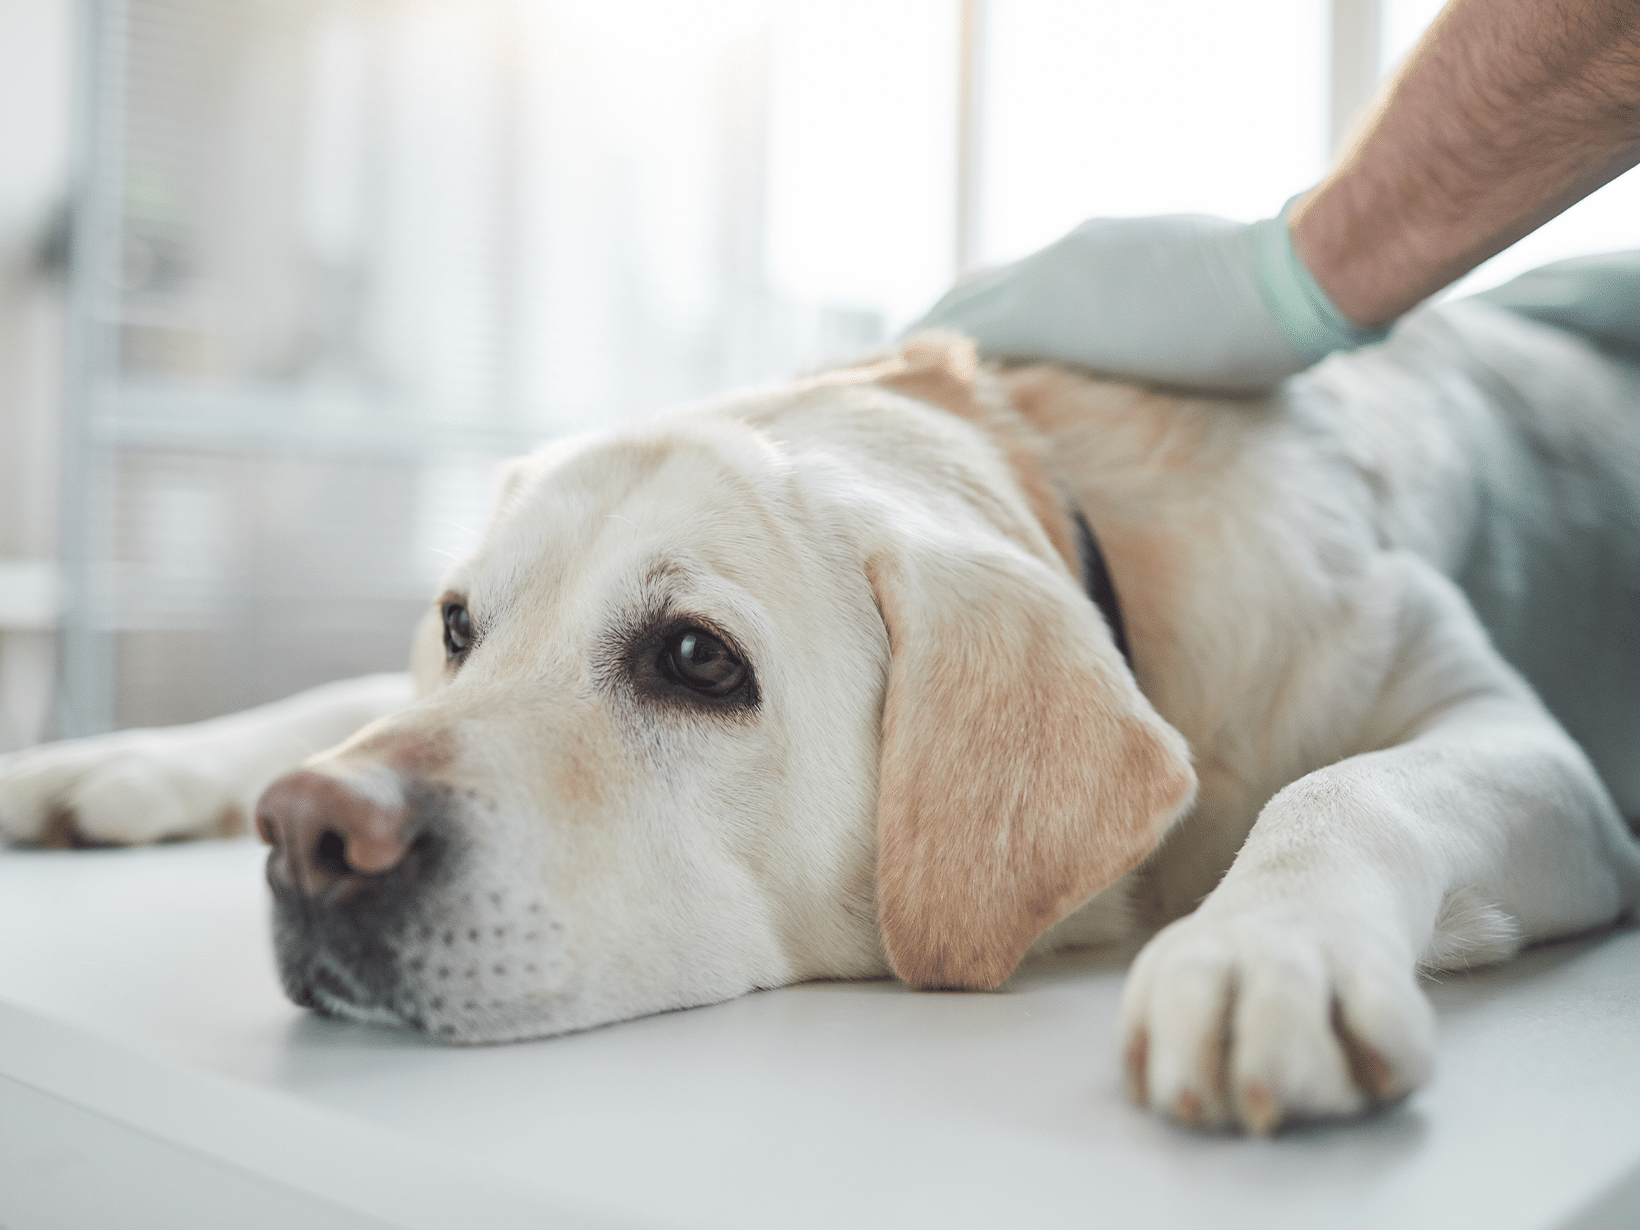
(1507, 112)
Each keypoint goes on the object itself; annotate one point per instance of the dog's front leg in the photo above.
(198, 780)
(1292, 990)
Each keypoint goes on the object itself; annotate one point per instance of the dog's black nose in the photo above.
(329, 832)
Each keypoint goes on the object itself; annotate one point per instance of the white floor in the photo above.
(151, 1074)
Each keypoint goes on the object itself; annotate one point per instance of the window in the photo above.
(336, 258)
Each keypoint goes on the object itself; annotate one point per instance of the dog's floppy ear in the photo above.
(1022, 770)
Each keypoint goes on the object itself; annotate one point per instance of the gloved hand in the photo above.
(1182, 300)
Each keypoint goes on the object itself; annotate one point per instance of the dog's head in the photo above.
(798, 685)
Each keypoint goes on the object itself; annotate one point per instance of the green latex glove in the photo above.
(1180, 300)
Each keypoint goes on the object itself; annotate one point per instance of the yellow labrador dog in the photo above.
(808, 683)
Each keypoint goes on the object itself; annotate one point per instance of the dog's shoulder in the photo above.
(1476, 425)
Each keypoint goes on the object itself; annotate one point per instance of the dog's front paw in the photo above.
(121, 789)
(1256, 1019)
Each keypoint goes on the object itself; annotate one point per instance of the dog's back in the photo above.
(1508, 453)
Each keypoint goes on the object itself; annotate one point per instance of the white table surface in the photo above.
(151, 1073)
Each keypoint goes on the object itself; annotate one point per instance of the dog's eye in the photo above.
(458, 629)
(700, 661)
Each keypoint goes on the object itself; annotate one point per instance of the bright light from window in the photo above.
(862, 154)
(1122, 109)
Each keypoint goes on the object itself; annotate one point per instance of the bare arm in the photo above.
(1506, 113)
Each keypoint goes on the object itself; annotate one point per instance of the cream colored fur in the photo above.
(1319, 775)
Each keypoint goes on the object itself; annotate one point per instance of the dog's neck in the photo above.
(953, 380)
(1096, 581)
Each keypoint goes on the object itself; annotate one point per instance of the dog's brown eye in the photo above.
(700, 661)
(458, 629)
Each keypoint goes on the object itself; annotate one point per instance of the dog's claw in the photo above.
(1243, 1022)
(1188, 1108)
(1138, 1054)
(1259, 1111)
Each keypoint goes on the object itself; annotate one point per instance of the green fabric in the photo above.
(1597, 297)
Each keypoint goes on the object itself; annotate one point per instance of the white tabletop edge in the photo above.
(274, 1138)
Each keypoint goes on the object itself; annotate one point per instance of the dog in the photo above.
(920, 666)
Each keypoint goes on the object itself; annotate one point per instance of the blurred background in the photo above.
(281, 280)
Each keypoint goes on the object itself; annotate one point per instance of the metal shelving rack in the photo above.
(84, 648)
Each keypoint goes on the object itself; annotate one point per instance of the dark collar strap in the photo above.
(1096, 580)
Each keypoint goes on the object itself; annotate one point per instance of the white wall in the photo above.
(1112, 110)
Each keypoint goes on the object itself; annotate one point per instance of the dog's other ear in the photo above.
(510, 477)
(1022, 770)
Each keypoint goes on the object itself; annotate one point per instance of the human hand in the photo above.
(1181, 300)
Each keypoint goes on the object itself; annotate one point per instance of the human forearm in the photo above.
(1506, 113)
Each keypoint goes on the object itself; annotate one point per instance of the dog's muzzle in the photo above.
(385, 914)
(357, 866)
